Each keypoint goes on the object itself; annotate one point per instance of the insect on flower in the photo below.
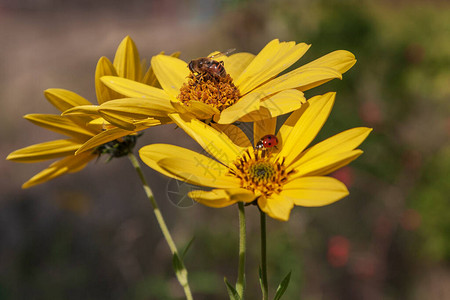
(208, 66)
(267, 141)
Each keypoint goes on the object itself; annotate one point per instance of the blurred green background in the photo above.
(92, 235)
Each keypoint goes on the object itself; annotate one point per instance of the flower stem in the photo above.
(240, 284)
(264, 288)
(182, 272)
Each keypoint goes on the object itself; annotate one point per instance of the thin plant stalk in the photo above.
(264, 287)
(240, 283)
(162, 224)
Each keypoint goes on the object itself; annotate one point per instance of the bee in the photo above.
(208, 66)
(267, 141)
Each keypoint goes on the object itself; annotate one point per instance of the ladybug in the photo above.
(267, 141)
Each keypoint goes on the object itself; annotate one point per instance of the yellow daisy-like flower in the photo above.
(86, 132)
(249, 89)
(276, 177)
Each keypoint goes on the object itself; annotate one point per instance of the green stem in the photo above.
(264, 288)
(182, 275)
(240, 284)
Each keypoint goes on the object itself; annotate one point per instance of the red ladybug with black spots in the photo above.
(267, 141)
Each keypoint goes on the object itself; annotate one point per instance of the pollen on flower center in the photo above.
(217, 91)
(259, 172)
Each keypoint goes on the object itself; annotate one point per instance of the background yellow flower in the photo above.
(85, 130)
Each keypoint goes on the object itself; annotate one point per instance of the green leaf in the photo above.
(260, 279)
(177, 264)
(232, 293)
(180, 270)
(282, 287)
(187, 247)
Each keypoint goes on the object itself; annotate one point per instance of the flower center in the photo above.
(217, 91)
(261, 171)
(258, 172)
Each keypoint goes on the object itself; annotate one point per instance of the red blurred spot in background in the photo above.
(412, 160)
(345, 175)
(370, 113)
(414, 53)
(365, 266)
(410, 219)
(338, 251)
(383, 227)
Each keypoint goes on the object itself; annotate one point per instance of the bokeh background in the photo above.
(92, 235)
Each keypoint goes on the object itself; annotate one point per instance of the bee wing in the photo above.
(218, 53)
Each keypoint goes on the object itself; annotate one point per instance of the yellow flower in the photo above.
(251, 90)
(277, 177)
(87, 133)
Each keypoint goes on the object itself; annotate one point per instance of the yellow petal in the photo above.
(61, 125)
(284, 102)
(175, 54)
(216, 143)
(236, 63)
(290, 122)
(81, 110)
(242, 195)
(340, 60)
(191, 166)
(125, 113)
(247, 104)
(150, 77)
(127, 61)
(299, 78)
(217, 198)
(131, 124)
(69, 164)
(134, 89)
(120, 121)
(276, 206)
(222, 197)
(281, 103)
(325, 164)
(108, 136)
(82, 115)
(171, 73)
(273, 59)
(258, 115)
(342, 142)
(236, 135)
(336, 166)
(262, 128)
(151, 156)
(104, 68)
(64, 99)
(314, 191)
(98, 125)
(44, 151)
(136, 108)
(306, 128)
(200, 110)
(181, 109)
